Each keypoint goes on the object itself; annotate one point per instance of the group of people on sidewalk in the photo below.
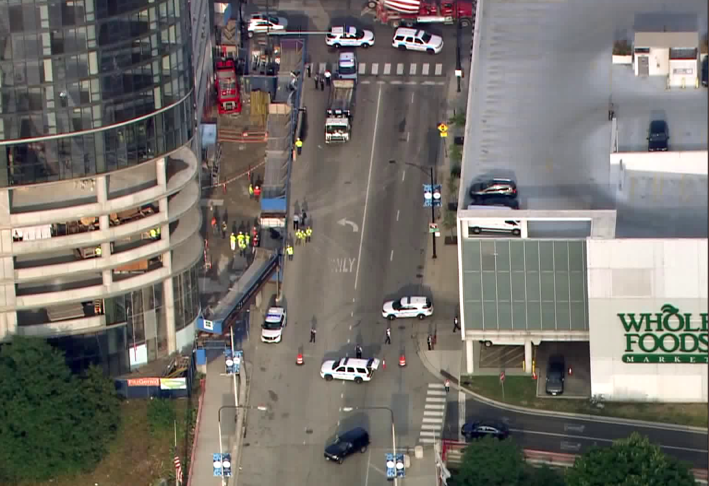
(303, 233)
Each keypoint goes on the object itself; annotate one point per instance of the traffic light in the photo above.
(427, 195)
(437, 195)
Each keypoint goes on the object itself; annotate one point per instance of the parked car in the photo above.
(262, 24)
(495, 200)
(556, 369)
(420, 307)
(417, 40)
(493, 187)
(659, 136)
(484, 428)
(348, 36)
(355, 440)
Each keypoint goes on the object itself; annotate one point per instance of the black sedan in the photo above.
(659, 136)
(484, 428)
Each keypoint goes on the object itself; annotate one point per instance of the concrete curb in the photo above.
(545, 413)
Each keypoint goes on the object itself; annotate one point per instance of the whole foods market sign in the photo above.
(669, 336)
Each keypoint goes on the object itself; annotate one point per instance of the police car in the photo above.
(352, 369)
(262, 24)
(420, 307)
(349, 36)
(272, 327)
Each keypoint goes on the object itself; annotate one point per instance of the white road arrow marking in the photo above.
(344, 222)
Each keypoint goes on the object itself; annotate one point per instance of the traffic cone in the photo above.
(534, 374)
(384, 364)
(571, 371)
(299, 359)
(402, 361)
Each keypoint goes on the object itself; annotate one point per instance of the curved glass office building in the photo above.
(99, 189)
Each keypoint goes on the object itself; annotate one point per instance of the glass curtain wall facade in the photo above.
(114, 77)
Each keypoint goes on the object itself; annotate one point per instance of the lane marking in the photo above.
(411, 83)
(427, 440)
(433, 413)
(424, 68)
(412, 70)
(387, 68)
(396, 82)
(342, 395)
(366, 477)
(427, 427)
(439, 69)
(435, 391)
(429, 433)
(397, 215)
(436, 399)
(369, 183)
(391, 257)
(403, 176)
(348, 340)
(435, 420)
(351, 324)
(408, 134)
(321, 67)
(375, 68)
(400, 69)
(362, 67)
(598, 439)
(412, 97)
(428, 83)
(433, 406)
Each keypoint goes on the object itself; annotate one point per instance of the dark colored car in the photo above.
(506, 201)
(556, 370)
(659, 136)
(493, 187)
(355, 440)
(484, 428)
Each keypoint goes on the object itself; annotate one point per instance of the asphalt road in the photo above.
(337, 284)
(575, 436)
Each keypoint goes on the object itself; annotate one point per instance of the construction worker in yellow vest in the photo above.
(232, 241)
(289, 251)
(300, 234)
(308, 234)
(247, 241)
(98, 251)
(153, 234)
(251, 190)
(240, 239)
(299, 145)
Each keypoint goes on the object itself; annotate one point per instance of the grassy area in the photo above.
(138, 456)
(522, 391)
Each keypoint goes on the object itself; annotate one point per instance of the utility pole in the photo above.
(458, 64)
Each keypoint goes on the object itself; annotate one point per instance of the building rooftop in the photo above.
(541, 86)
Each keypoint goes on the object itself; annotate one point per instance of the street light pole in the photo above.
(233, 353)
(433, 219)
(458, 64)
(393, 430)
(262, 408)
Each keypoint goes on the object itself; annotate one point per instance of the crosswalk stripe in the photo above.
(424, 71)
(433, 420)
(375, 68)
(435, 385)
(433, 413)
(400, 69)
(387, 68)
(439, 69)
(429, 433)
(362, 67)
(321, 67)
(436, 392)
(412, 70)
(436, 426)
(427, 440)
(436, 406)
(436, 399)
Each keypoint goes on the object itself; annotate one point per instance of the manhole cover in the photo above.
(308, 431)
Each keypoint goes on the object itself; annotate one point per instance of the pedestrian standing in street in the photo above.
(308, 68)
(289, 252)
(296, 222)
(387, 340)
(447, 385)
(429, 341)
(247, 241)
(312, 334)
(322, 83)
(455, 324)
(308, 234)
(304, 218)
(299, 145)
(358, 351)
(215, 229)
(328, 76)
(224, 228)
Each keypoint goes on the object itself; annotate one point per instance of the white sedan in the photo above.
(262, 24)
(349, 36)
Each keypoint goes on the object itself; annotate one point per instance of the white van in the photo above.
(501, 225)
(352, 369)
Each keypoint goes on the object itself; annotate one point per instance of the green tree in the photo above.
(492, 462)
(629, 462)
(52, 423)
(544, 476)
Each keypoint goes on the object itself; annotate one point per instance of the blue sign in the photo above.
(221, 465)
(395, 465)
(427, 195)
(232, 361)
(437, 195)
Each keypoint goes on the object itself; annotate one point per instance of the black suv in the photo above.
(484, 428)
(348, 443)
(493, 187)
(659, 136)
(556, 370)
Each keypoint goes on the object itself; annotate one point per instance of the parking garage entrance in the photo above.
(520, 293)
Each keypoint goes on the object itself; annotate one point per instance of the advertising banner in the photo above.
(173, 383)
(144, 382)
